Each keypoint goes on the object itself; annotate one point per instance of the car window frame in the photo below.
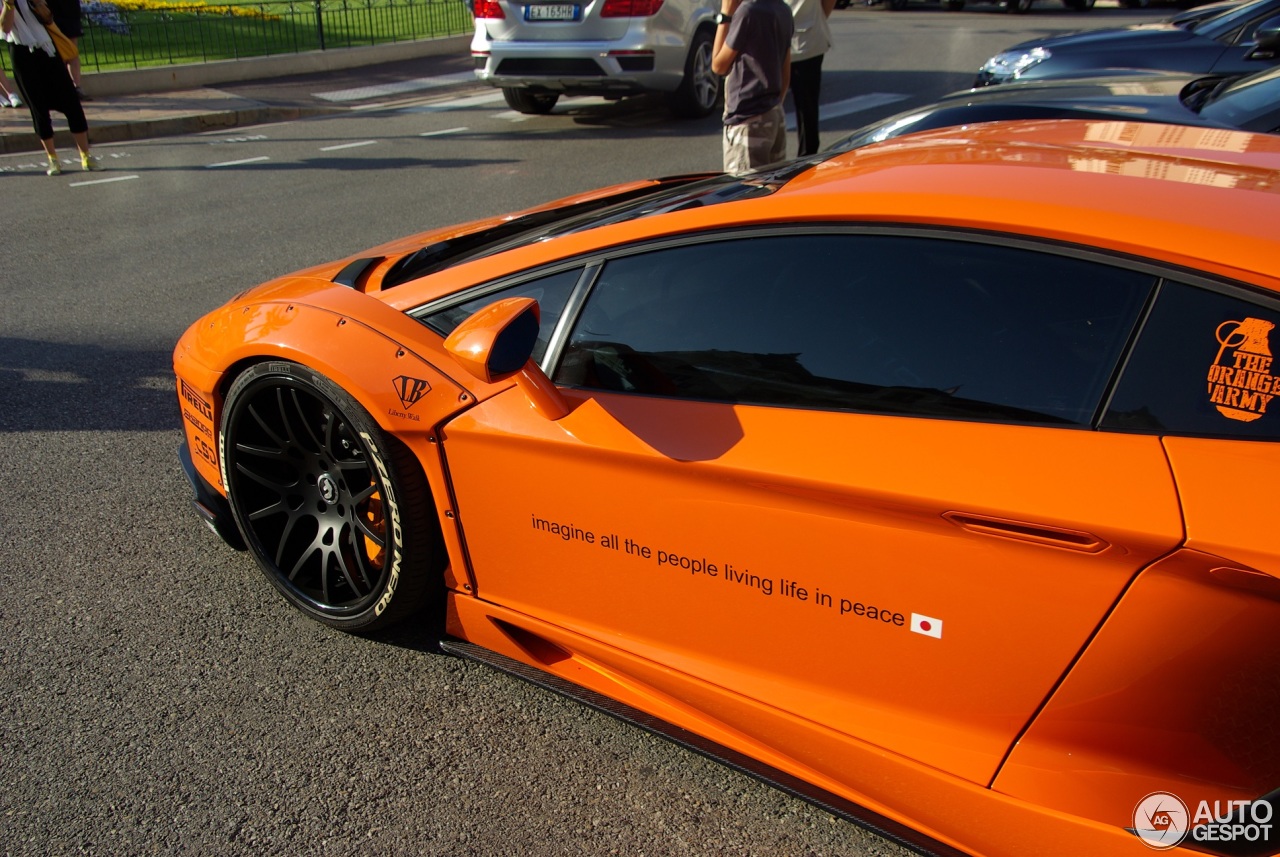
(592, 264)
(571, 314)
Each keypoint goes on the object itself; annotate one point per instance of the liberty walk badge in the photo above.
(1240, 381)
(410, 390)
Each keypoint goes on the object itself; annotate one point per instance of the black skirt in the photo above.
(45, 85)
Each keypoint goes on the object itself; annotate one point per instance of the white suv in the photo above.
(537, 51)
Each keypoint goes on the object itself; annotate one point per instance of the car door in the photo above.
(845, 473)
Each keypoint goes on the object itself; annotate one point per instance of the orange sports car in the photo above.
(933, 481)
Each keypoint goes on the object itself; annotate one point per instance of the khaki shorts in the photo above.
(758, 142)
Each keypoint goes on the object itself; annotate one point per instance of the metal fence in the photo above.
(170, 33)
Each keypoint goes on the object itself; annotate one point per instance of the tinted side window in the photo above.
(551, 293)
(1203, 365)
(894, 324)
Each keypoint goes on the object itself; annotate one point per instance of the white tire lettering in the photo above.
(393, 510)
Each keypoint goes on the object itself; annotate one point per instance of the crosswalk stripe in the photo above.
(454, 103)
(362, 93)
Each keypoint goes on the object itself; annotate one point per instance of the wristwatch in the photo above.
(722, 18)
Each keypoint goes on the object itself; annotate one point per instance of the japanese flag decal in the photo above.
(927, 625)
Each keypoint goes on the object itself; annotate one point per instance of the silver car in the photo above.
(538, 51)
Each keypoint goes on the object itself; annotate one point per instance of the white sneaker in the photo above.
(14, 99)
(90, 162)
(55, 167)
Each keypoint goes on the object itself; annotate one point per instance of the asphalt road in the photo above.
(158, 697)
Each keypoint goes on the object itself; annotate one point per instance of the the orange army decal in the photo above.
(1240, 381)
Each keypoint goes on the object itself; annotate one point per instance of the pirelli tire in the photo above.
(336, 512)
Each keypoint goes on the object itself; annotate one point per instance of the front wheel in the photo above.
(1018, 7)
(335, 511)
(529, 101)
(700, 90)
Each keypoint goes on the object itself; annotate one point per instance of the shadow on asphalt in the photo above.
(48, 386)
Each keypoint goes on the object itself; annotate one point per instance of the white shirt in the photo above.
(812, 35)
(28, 31)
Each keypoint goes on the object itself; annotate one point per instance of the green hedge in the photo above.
(138, 33)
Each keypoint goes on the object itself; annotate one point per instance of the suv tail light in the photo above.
(629, 8)
(488, 9)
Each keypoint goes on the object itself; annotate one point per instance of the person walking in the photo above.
(752, 50)
(810, 43)
(43, 80)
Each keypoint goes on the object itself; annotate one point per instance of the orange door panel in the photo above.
(920, 584)
(1178, 692)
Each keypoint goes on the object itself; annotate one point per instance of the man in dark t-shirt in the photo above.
(752, 49)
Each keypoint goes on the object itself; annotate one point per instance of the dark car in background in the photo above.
(1250, 103)
(1237, 41)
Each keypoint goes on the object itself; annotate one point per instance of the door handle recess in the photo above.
(1040, 534)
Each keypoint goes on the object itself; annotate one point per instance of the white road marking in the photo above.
(238, 163)
(363, 93)
(246, 139)
(102, 181)
(348, 146)
(445, 131)
(454, 103)
(850, 105)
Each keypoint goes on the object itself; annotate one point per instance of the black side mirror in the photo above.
(1267, 38)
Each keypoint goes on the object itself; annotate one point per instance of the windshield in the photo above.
(1233, 19)
(1192, 18)
(1251, 103)
(673, 194)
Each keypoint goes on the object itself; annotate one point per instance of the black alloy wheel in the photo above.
(335, 511)
(701, 89)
